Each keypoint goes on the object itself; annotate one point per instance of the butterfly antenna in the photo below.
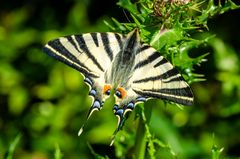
(126, 16)
(128, 19)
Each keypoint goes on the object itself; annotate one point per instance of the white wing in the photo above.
(90, 53)
(155, 77)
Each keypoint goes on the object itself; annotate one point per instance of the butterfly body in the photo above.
(134, 71)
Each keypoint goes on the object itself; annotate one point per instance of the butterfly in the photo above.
(112, 62)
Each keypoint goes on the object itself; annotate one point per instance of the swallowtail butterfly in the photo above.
(133, 70)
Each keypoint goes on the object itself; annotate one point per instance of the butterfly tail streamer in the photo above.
(120, 113)
(88, 116)
(119, 127)
(96, 106)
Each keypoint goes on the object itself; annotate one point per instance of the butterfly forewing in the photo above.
(90, 53)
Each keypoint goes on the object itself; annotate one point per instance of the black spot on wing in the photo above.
(83, 46)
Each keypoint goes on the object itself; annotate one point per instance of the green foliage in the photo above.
(57, 154)
(168, 26)
(46, 102)
(216, 152)
(12, 147)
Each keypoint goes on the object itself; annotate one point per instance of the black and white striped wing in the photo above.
(109, 60)
(90, 53)
(155, 77)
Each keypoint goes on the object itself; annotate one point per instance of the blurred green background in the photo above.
(46, 102)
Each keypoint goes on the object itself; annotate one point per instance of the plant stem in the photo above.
(140, 142)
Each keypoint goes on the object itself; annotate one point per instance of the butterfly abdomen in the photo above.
(124, 62)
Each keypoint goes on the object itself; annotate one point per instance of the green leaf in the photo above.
(229, 5)
(128, 5)
(216, 152)
(58, 154)
(213, 10)
(13, 146)
(164, 38)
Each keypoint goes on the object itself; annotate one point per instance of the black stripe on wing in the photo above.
(170, 73)
(174, 79)
(146, 61)
(94, 37)
(186, 92)
(174, 95)
(162, 62)
(56, 49)
(107, 48)
(143, 48)
(119, 39)
(83, 46)
(70, 39)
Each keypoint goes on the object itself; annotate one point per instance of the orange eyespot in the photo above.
(106, 89)
(122, 92)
